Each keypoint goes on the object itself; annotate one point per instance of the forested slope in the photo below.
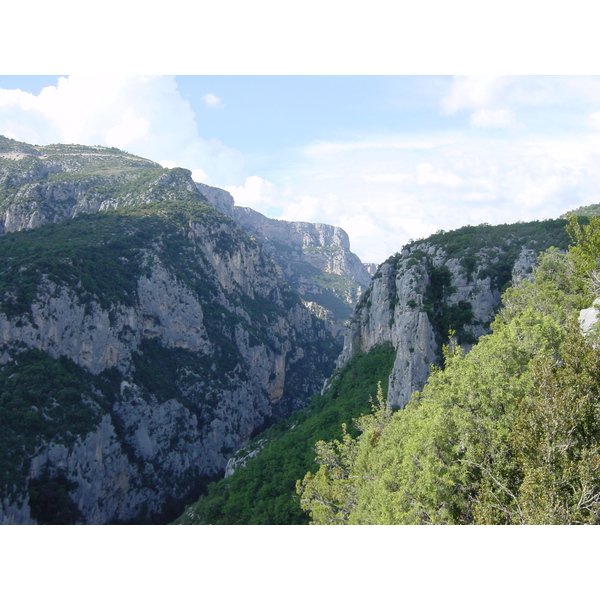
(508, 434)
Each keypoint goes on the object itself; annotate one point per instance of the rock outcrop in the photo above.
(314, 258)
(430, 288)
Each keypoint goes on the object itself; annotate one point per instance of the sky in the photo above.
(387, 158)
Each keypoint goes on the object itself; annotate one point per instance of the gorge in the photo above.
(155, 336)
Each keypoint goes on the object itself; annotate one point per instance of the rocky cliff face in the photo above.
(449, 282)
(140, 344)
(314, 258)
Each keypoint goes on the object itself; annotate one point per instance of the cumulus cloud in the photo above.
(261, 195)
(212, 101)
(143, 115)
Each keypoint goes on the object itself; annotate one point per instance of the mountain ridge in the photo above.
(172, 329)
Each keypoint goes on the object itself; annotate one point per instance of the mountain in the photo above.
(144, 337)
(154, 336)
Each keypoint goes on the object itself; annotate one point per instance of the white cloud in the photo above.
(595, 120)
(497, 101)
(324, 149)
(200, 176)
(261, 195)
(130, 128)
(493, 118)
(475, 92)
(212, 101)
(306, 208)
(384, 194)
(427, 175)
(143, 115)
(388, 178)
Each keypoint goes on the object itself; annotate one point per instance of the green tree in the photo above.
(585, 251)
(331, 494)
(507, 434)
(557, 434)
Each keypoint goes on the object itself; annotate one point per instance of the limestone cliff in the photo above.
(449, 282)
(144, 337)
(314, 258)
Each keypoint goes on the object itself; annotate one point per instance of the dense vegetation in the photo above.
(508, 434)
(263, 491)
(498, 246)
(466, 241)
(592, 210)
(101, 255)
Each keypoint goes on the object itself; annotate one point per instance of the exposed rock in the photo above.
(419, 292)
(207, 345)
(314, 258)
(243, 456)
(371, 268)
(588, 317)
(217, 198)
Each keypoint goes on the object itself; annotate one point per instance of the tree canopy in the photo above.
(506, 434)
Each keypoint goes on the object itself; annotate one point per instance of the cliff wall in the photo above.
(450, 282)
(314, 258)
(141, 343)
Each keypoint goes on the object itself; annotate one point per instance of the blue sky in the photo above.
(388, 158)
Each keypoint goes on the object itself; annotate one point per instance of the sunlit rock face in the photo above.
(174, 330)
(417, 296)
(314, 258)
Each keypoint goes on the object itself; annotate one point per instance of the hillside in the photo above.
(144, 337)
(448, 281)
(42, 184)
(262, 491)
(506, 434)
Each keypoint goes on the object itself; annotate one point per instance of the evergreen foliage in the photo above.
(466, 241)
(49, 500)
(41, 399)
(100, 255)
(508, 434)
